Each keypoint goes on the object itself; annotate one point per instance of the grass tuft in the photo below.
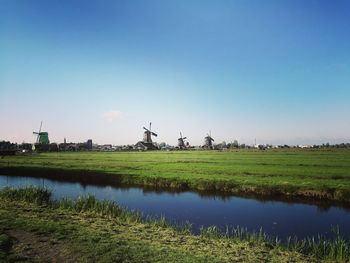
(30, 194)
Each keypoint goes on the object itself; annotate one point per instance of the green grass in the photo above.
(88, 230)
(322, 174)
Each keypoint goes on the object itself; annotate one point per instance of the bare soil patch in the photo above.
(37, 248)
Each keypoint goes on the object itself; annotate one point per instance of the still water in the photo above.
(277, 218)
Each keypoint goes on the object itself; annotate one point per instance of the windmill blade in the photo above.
(146, 129)
(38, 133)
(154, 134)
(37, 136)
(180, 134)
(150, 126)
(41, 124)
(184, 138)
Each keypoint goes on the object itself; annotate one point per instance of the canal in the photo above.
(276, 218)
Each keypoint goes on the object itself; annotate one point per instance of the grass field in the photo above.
(322, 174)
(34, 228)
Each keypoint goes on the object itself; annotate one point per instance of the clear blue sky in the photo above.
(278, 71)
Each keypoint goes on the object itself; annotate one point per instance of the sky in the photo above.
(276, 71)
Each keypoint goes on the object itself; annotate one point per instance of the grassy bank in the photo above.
(35, 228)
(321, 174)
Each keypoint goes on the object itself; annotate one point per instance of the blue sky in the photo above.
(278, 71)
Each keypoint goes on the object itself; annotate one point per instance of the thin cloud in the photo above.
(112, 115)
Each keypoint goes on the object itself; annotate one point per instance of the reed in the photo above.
(104, 208)
(336, 248)
(184, 228)
(30, 194)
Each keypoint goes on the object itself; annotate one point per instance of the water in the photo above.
(277, 218)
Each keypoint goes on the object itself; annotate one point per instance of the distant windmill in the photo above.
(208, 141)
(181, 141)
(147, 135)
(42, 137)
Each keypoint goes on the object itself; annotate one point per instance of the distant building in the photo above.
(140, 146)
(304, 146)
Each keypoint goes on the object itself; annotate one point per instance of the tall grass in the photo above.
(333, 249)
(90, 203)
(104, 208)
(182, 228)
(30, 194)
(239, 233)
(336, 248)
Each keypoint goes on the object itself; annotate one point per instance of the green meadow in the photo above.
(312, 173)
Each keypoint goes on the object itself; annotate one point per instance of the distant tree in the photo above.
(235, 144)
(162, 144)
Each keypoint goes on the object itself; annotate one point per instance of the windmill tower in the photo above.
(42, 137)
(181, 142)
(208, 141)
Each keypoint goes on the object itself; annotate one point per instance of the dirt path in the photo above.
(33, 247)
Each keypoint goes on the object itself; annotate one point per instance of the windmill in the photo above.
(147, 135)
(42, 137)
(146, 143)
(208, 141)
(181, 141)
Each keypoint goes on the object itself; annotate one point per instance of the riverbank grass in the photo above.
(88, 230)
